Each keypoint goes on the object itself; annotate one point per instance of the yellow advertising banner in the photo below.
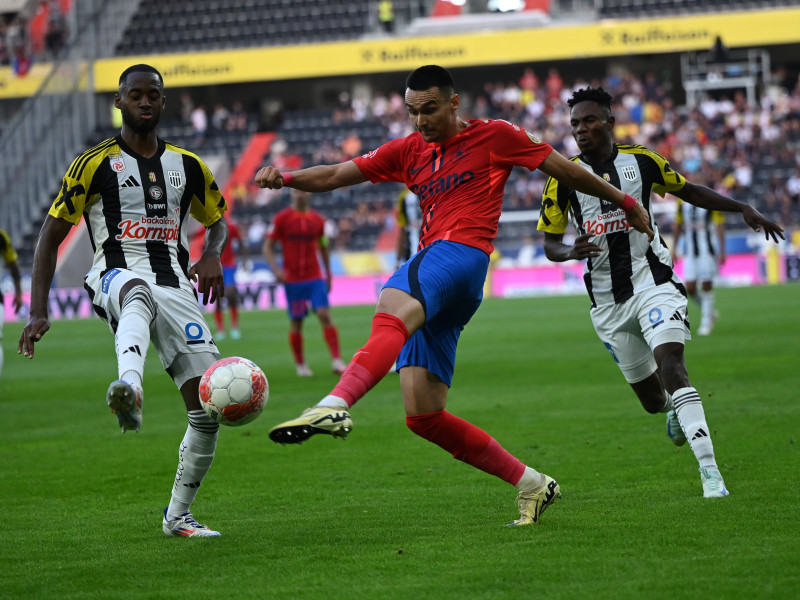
(556, 42)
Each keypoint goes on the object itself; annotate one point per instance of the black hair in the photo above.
(598, 95)
(424, 78)
(140, 68)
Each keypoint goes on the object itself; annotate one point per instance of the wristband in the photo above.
(287, 179)
(628, 204)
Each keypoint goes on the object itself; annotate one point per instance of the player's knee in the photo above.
(139, 298)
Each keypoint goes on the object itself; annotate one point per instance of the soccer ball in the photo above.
(234, 391)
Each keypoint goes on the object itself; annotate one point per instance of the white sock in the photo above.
(706, 307)
(132, 338)
(692, 418)
(195, 455)
(1, 358)
(530, 480)
(333, 402)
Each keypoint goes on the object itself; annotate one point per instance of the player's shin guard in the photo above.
(195, 455)
(692, 418)
(132, 337)
(373, 361)
(467, 443)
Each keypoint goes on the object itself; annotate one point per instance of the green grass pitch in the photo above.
(386, 514)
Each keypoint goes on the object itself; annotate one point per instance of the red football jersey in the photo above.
(460, 183)
(299, 234)
(228, 256)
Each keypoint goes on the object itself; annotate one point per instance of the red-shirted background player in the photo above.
(301, 233)
(458, 169)
(229, 259)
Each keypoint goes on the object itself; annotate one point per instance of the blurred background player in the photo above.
(638, 303)
(9, 255)
(235, 249)
(409, 223)
(131, 189)
(301, 233)
(703, 235)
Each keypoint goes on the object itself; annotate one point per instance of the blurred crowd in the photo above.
(749, 152)
(41, 36)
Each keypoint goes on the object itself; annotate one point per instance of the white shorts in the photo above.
(179, 332)
(631, 331)
(700, 268)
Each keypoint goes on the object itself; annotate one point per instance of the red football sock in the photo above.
(467, 443)
(296, 342)
(218, 318)
(234, 317)
(332, 339)
(373, 361)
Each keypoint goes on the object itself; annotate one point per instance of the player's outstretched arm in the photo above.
(705, 197)
(207, 272)
(578, 178)
(44, 267)
(557, 251)
(322, 178)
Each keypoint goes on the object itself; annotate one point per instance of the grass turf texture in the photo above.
(386, 514)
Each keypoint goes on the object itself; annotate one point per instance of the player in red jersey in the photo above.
(233, 249)
(301, 233)
(458, 169)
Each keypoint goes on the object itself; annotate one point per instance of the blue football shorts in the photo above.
(447, 278)
(301, 293)
(229, 275)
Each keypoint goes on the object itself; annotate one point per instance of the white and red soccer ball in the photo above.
(234, 391)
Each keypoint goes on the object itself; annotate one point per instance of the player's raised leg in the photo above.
(135, 313)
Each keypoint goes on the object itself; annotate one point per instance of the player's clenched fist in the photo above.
(269, 177)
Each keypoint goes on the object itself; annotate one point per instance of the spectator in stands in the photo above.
(351, 145)
(793, 186)
(199, 124)
(220, 117)
(186, 109)
(386, 15)
(56, 35)
(301, 234)
(238, 118)
(5, 57)
(19, 43)
(256, 232)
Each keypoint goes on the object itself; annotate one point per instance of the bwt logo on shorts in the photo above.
(442, 184)
(107, 279)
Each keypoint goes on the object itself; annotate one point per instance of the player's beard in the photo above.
(139, 126)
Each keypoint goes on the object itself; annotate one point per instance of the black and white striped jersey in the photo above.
(135, 207)
(699, 229)
(629, 263)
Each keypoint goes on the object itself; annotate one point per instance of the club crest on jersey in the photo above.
(629, 173)
(117, 162)
(607, 177)
(175, 179)
(152, 177)
(156, 193)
